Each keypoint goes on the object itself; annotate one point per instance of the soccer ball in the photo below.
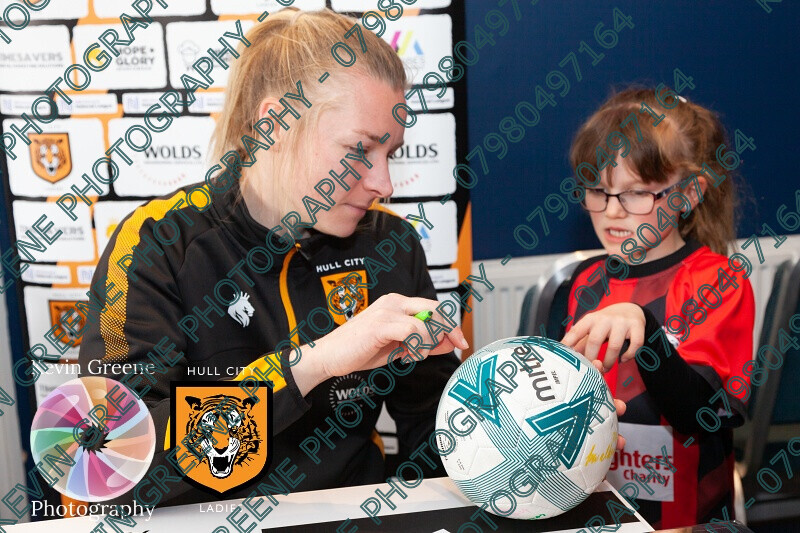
(527, 427)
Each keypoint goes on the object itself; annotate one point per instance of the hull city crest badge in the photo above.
(226, 428)
(345, 294)
(51, 157)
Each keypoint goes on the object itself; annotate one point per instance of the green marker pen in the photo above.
(424, 315)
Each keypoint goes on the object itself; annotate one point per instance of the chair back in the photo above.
(764, 402)
(526, 317)
(545, 304)
(786, 408)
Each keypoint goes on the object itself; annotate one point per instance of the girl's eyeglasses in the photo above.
(634, 202)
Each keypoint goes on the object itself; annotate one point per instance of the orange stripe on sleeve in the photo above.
(112, 322)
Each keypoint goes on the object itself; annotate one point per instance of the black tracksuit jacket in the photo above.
(211, 244)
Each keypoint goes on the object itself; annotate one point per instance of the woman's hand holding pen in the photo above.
(368, 339)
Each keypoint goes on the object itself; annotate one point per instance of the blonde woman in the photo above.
(240, 286)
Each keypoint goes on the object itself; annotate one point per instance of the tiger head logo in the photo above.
(228, 435)
(226, 425)
(51, 157)
(241, 310)
(345, 299)
(346, 306)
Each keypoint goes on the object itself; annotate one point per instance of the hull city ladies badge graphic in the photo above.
(226, 428)
(51, 158)
(344, 295)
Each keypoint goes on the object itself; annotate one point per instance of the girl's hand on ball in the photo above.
(619, 404)
(615, 324)
(621, 407)
(367, 340)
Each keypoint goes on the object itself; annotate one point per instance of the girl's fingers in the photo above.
(597, 337)
(616, 338)
(581, 346)
(620, 442)
(578, 331)
(621, 407)
(637, 341)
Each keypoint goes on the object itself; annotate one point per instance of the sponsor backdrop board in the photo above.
(55, 157)
(188, 41)
(424, 166)
(57, 10)
(34, 58)
(54, 161)
(165, 165)
(142, 65)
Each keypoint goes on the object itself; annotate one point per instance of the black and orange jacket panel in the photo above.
(212, 246)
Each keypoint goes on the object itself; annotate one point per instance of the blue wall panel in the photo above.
(745, 66)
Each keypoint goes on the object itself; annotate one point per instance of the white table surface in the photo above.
(296, 508)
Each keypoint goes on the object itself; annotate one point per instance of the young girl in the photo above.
(648, 298)
(276, 288)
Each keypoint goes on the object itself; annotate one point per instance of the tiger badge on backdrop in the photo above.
(348, 298)
(70, 322)
(228, 430)
(51, 157)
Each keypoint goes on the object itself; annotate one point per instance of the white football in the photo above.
(526, 426)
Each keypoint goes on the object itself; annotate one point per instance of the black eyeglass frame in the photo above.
(656, 197)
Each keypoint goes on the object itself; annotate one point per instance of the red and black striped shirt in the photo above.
(663, 403)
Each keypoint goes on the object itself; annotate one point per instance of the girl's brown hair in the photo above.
(291, 46)
(680, 144)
